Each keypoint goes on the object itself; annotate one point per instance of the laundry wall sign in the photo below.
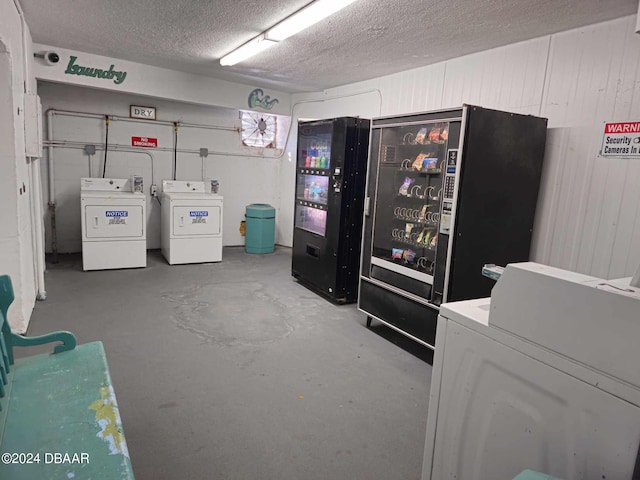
(73, 68)
(257, 99)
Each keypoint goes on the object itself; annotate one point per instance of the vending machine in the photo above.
(329, 201)
(448, 192)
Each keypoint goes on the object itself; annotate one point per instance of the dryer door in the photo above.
(114, 221)
(196, 220)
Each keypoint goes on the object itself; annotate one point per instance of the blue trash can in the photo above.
(261, 228)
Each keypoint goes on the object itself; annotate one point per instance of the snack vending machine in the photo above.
(447, 193)
(329, 201)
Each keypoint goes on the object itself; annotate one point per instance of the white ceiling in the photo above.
(367, 39)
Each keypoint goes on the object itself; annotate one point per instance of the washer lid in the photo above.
(590, 320)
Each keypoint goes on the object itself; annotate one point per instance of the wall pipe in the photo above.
(158, 149)
(36, 230)
(39, 227)
(71, 113)
(101, 146)
(52, 189)
(51, 143)
(81, 147)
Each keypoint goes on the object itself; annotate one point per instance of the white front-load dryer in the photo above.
(113, 221)
(191, 227)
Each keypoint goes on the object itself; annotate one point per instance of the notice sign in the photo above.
(621, 140)
(147, 142)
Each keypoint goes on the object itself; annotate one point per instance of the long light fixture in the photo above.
(247, 50)
(303, 18)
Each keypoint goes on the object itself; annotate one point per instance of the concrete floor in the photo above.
(235, 371)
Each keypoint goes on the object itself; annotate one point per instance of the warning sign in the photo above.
(621, 140)
(144, 142)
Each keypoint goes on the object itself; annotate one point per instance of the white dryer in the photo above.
(191, 225)
(543, 375)
(114, 233)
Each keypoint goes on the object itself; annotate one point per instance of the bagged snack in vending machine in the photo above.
(444, 134)
(409, 256)
(434, 134)
(404, 188)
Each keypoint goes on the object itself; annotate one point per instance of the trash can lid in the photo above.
(260, 210)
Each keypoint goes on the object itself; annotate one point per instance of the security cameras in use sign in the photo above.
(621, 139)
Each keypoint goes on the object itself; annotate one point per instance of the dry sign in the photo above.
(621, 139)
(148, 113)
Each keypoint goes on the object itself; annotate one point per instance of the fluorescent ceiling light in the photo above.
(306, 17)
(247, 50)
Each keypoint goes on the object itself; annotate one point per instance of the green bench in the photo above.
(58, 413)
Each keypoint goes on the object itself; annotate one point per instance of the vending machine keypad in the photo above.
(449, 184)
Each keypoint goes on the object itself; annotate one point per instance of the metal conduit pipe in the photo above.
(71, 113)
(51, 163)
(52, 204)
(33, 216)
(158, 149)
(36, 188)
(36, 230)
(52, 189)
(100, 146)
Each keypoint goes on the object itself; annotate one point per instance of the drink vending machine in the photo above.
(329, 200)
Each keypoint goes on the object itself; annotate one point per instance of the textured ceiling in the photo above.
(367, 39)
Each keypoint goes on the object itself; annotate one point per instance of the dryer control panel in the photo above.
(129, 185)
(182, 186)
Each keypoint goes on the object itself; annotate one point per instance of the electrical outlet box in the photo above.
(154, 190)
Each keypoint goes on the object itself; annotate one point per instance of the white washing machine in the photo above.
(114, 233)
(191, 224)
(543, 375)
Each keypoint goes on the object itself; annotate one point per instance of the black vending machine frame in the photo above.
(329, 264)
(495, 181)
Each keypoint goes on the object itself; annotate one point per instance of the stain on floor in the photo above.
(224, 314)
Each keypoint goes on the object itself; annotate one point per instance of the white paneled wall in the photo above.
(588, 217)
(589, 220)
(510, 78)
